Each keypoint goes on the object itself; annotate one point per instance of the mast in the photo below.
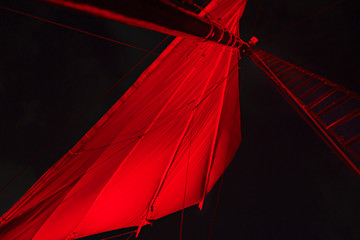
(157, 15)
(332, 110)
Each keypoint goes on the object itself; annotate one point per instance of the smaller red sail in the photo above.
(176, 128)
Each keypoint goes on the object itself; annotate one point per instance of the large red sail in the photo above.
(174, 132)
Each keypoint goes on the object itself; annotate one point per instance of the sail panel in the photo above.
(178, 126)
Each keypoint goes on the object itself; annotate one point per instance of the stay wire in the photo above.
(216, 207)
(121, 234)
(222, 177)
(312, 123)
(72, 124)
(214, 87)
(130, 235)
(256, 18)
(78, 30)
(301, 21)
(242, 76)
(186, 180)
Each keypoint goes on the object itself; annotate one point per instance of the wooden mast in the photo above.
(156, 15)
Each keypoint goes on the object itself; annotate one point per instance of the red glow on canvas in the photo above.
(131, 167)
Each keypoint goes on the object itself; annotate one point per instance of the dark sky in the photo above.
(284, 183)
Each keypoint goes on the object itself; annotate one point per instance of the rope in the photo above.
(186, 179)
(119, 235)
(242, 77)
(256, 18)
(77, 30)
(222, 177)
(313, 124)
(131, 235)
(215, 209)
(216, 85)
(72, 124)
(303, 20)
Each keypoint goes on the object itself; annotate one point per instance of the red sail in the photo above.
(176, 128)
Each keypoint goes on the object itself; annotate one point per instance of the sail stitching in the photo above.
(211, 158)
(173, 157)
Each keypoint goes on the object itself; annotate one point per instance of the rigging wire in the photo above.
(301, 21)
(131, 235)
(220, 187)
(121, 234)
(308, 119)
(256, 18)
(72, 124)
(214, 87)
(186, 180)
(241, 79)
(216, 207)
(77, 30)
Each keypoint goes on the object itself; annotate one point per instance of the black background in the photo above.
(284, 183)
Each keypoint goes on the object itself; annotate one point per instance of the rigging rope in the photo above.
(121, 234)
(256, 18)
(72, 124)
(214, 87)
(77, 30)
(131, 235)
(186, 180)
(301, 21)
(222, 177)
(216, 206)
(308, 118)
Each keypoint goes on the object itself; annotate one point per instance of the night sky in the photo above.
(284, 182)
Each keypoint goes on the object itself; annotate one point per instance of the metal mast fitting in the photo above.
(156, 15)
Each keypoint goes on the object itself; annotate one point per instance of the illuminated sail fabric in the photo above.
(176, 128)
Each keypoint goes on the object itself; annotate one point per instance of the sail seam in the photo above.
(216, 132)
(177, 149)
(133, 149)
